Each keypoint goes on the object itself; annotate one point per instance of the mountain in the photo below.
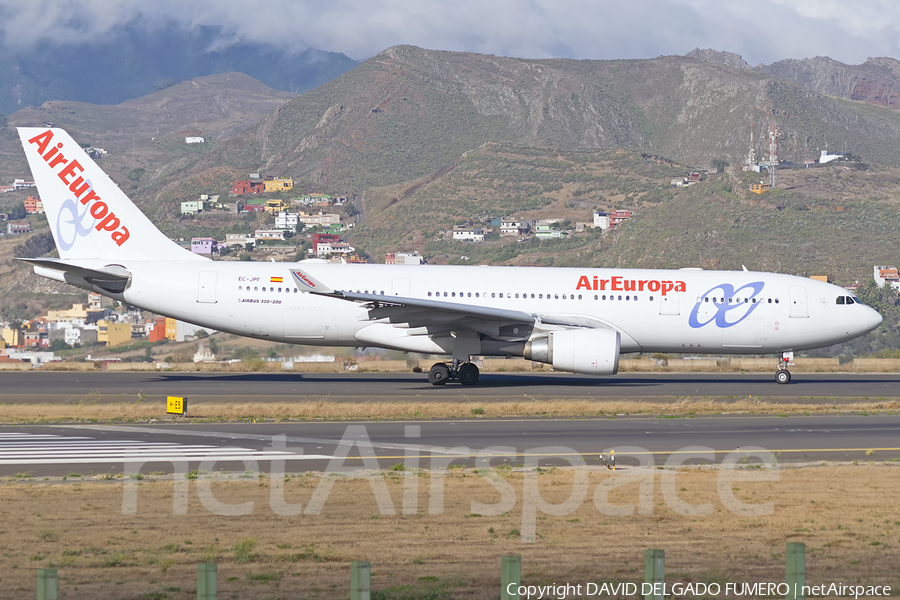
(135, 61)
(877, 81)
(408, 112)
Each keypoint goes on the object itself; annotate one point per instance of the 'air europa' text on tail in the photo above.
(68, 171)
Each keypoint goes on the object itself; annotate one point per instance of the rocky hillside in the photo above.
(408, 112)
(876, 81)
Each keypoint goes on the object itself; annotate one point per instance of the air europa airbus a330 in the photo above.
(578, 320)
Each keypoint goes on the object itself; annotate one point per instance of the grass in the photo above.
(240, 411)
(850, 532)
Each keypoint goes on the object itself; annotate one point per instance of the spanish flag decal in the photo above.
(276, 279)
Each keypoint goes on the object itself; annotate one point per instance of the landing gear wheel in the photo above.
(783, 376)
(439, 374)
(467, 374)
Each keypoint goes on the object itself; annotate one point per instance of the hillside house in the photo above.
(286, 220)
(239, 239)
(194, 139)
(13, 228)
(468, 234)
(21, 184)
(254, 206)
(269, 234)
(279, 184)
(887, 276)
(619, 216)
(322, 219)
(323, 238)
(192, 207)
(404, 258)
(544, 232)
(275, 206)
(33, 205)
(202, 245)
(515, 227)
(326, 248)
(248, 187)
(601, 220)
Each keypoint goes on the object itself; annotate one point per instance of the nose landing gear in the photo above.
(467, 373)
(782, 375)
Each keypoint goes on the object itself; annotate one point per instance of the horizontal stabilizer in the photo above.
(111, 279)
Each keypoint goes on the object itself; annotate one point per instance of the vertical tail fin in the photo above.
(89, 216)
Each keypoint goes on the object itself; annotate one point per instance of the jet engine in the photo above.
(586, 351)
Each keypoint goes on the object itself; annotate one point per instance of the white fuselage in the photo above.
(700, 311)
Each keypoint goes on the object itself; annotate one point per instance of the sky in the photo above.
(762, 31)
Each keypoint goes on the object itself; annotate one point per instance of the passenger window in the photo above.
(445, 294)
(429, 294)
(628, 298)
(556, 296)
(595, 296)
(254, 289)
(620, 297)
(517, 295)
(540, 296)
(470, 294)
(476, 295)
(493, 294)
(564, 296)
(532, 296)
(840, 299)
(501, 294)
(651, 298)
(776, 300)
(579, 296)
(295, 290)
(240, 288)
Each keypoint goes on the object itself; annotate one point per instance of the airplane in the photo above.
(575, 319)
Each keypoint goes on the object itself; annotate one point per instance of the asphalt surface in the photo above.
(37, 386)
(59, 450)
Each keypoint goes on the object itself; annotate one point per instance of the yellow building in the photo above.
(279, 184)
(171, 329)
(113, 333)
(77, 312)
(13, 337)
(276, 206)
(759, 188)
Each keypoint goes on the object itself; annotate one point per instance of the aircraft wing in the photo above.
(420, 312)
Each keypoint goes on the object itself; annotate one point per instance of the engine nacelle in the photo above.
(586, 351)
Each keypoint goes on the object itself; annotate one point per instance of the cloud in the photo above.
(762, 31)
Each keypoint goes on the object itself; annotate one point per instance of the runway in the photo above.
(71, 387)
(98, 450)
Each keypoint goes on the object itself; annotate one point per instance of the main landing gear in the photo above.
(467, 373)
(782, 375)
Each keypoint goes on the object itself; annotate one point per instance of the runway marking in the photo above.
(655, 453)
(252, 436)
(42, 449)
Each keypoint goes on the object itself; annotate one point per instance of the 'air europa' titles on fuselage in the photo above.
(620, 284)
(108, 221)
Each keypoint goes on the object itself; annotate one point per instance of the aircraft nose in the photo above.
(873, 319)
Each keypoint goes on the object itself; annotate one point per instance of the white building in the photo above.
(887, 275)
(404, 258)
(601, 220)
(269, 234)
(73, 336)
(239, 239)
(326, 248)
(319, 219)
(286, 220)
(824, 157)
(468, 234)
(514, 227)
(194, 140)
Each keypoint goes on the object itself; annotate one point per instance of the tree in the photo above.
(720, 165)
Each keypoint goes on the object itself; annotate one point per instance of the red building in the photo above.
(158, 333)
(248, 187)
(33, 205)
(323, 238)
(619, 216)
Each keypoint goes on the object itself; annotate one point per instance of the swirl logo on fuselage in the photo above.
(68, 230)
(731, 305)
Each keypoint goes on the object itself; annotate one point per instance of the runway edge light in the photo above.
(176, 405)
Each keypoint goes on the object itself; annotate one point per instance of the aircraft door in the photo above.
(400, 287)
(668, 304)
(206, 289)
(799, 307)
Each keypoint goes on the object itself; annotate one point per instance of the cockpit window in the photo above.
(848, 300)
(840, 299)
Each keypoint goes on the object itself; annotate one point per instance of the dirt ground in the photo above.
(847, 515)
